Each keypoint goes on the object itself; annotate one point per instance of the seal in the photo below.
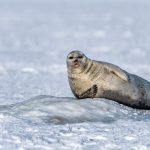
(96, 79)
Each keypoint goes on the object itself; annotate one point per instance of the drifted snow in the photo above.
(50, 122)
(60, 110)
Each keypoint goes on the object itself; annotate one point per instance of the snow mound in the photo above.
(64, 110)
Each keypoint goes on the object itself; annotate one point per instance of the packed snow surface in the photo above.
(35, 37)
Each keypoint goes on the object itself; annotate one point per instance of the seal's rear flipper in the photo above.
(90, 93)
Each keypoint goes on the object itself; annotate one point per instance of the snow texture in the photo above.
(35, 37)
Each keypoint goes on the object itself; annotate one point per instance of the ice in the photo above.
(35, 37)
(44, 109)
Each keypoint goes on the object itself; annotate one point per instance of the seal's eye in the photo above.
(80, 57)
(70, 57)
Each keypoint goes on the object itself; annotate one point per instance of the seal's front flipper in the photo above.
(118, 72)
(90, 93)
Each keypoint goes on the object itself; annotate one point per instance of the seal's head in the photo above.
(76, 61)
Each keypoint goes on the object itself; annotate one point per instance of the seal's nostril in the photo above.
(76, 60)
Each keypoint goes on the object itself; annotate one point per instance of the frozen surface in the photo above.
(46, 122)
(35, 37)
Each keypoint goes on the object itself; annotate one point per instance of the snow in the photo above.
(35, 37)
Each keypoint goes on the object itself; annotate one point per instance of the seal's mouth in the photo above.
(75, 64)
